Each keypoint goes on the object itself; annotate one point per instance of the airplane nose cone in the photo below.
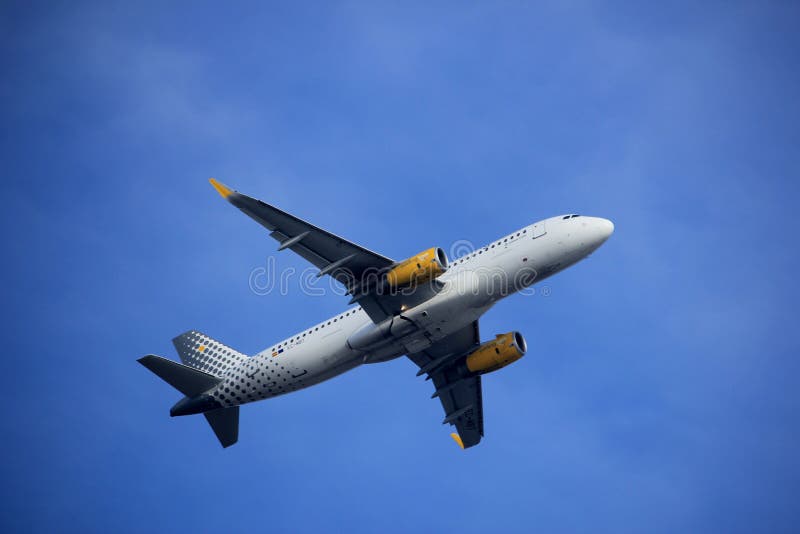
(597, 231)
(606, 228)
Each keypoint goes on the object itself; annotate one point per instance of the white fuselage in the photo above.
(470, 287)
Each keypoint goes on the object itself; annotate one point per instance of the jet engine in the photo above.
(492, 355)
(425, 266)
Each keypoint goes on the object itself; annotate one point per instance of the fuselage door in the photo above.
(538, 230)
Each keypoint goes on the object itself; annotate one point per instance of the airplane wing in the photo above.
(323, 249)
(345, 261)
(461, 398)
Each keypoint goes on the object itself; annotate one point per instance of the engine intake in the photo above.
(501, 351)
(424, 266)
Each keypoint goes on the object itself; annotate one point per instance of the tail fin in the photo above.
(206, 354)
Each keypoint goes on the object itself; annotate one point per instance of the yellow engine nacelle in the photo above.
(492, 355)
(424, 266)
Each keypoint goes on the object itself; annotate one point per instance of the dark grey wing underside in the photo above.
(357, 268)
(328, 252)
(461, 398)
(464, 404)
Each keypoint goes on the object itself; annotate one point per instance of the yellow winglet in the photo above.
(457, 439)
(222, 189)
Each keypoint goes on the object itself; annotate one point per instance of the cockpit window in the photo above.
(565, 217)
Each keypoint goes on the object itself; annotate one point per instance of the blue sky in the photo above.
(660, 391)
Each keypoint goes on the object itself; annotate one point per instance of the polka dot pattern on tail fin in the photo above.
(206, 354)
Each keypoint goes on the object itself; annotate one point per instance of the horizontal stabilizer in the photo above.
(225, 424)
(187, 380)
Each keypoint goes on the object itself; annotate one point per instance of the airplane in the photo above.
(425, 307)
